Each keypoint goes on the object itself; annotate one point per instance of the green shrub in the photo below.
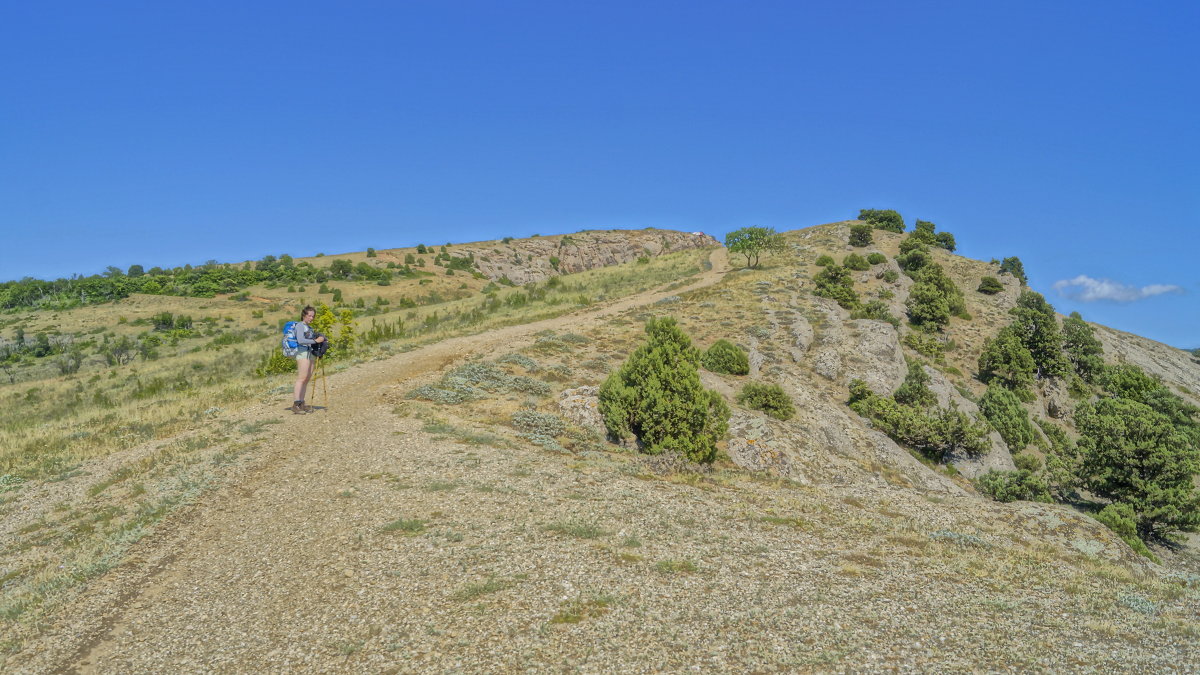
(825, 261)
(1011, 486)
(911, 262)
(656, 396)
(1120, 519)
(275, 363)
(855, 262)
(935, 433)
(925, 345)
(876, 258)
(889, 275)
(834, 282)
(725, 357)
(860, 235)
(990, 286)
(877, 310)
(1004, 411)
(914, 391)
(769, 398)
(927, 306)
(532, 421)
(1062, 459)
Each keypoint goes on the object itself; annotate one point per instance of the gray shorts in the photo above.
(303, 353)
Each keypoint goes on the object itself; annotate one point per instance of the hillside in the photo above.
(454, 504)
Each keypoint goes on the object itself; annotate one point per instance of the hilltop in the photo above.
(455, 504)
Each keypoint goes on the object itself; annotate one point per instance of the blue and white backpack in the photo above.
(290, 346)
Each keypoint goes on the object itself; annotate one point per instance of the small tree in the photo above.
(1035, 323)
(946, 241)
(1135, 455)
(1083, 350)
(1014, 267)
(825, 261)
(1004, 411)
(860, 235)
(927, 306)
(753, 242)
(876, 258)
(370, 252)
(347, 340)
(882, 219)
(915, 390)
(656, 396)
(1006, 359)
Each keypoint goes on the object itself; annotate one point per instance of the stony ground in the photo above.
(381, 535)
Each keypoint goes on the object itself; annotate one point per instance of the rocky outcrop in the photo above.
(1177, 368)
(873, 355)
(1056, 399)
(539, 258)
(581, 406)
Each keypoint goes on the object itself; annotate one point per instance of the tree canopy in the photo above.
(752, 242)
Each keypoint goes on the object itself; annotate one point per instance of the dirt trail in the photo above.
(254, 576)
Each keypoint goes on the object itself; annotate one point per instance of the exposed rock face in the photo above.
(1058, 401)
(825, 443)
(1175, 366)
(582, 407)
(525, 260)
(873, 355)
(753, 445)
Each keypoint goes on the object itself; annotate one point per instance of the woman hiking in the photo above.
(305, 339)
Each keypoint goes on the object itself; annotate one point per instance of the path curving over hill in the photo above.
(251, 578)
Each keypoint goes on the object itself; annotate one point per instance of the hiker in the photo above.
(304, 339)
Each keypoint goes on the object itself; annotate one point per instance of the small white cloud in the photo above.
(1086, 289)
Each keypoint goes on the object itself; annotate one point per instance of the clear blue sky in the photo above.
(162, 133)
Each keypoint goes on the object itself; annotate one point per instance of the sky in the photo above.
(164, 133)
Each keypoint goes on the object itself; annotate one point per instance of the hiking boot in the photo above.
(307, 408)
(300, 408)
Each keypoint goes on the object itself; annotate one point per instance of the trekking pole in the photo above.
(312, 383)
(324, 384)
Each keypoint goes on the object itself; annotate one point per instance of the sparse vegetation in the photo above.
(769, 398)
(1011, 486)
(935, 433)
